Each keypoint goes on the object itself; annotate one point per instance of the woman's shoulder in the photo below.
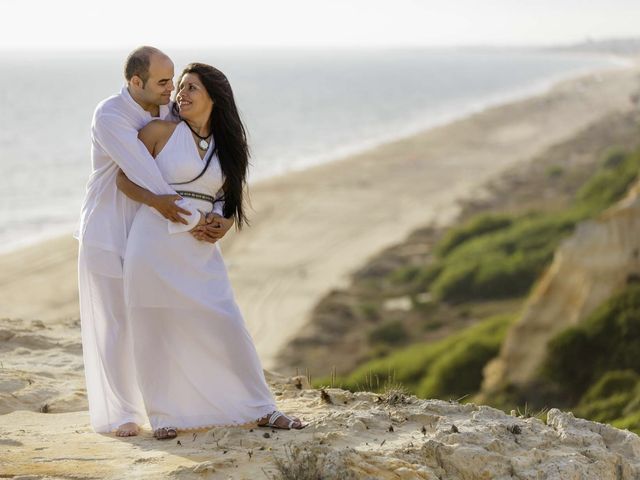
(156, 133)
(157, 129)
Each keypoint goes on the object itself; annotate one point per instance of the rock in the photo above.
(352, 441)
(357, 425)
(204, 467)
(400, 303)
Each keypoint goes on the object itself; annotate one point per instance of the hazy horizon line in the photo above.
(317, 46)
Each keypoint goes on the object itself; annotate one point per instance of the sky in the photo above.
(114, 24)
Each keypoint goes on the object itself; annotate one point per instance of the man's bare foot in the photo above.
(278, 419)
(128, 429)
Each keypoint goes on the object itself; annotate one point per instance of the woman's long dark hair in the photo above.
(229, 135)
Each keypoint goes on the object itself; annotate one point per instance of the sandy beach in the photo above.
(310, 229)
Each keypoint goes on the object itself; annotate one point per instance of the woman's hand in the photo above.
(213, 229)
(201, 223)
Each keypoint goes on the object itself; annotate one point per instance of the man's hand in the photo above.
(214, 228)
(166, 205)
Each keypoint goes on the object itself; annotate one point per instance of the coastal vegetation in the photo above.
(494, 255)
(449, 368)
(497, 256)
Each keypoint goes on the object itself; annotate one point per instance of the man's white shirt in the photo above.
(107, 213)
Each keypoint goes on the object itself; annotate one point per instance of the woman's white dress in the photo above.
(195, 360)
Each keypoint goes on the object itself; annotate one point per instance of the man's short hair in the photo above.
(138, 62)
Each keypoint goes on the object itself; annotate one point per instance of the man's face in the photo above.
(159, 85)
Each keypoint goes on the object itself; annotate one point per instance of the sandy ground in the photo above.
(310, 229)
(350, 436)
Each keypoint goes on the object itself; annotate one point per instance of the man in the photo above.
(114, 399)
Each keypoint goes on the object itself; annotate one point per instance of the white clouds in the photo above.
(202, 23)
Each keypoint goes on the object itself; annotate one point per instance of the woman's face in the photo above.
(192, 98)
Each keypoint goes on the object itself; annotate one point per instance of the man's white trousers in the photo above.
(107, 347)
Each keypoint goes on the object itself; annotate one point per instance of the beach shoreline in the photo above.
(432, 119)
(311, 228)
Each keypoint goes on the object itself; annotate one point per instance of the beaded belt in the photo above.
(197, 196)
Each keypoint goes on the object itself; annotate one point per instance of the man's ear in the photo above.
(137, 82)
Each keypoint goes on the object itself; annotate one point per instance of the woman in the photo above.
(196, 363)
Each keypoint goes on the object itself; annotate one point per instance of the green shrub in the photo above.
(413, 364)
(391, 333)
(459, 372)
(605, 410)
(457, 281)
(609, 339)
(370, 311)
(612, 181)
(611, 383)
(554, 171)
(432, 323)
(630, 422)
(614, 157)
(476, 227)
(498, 256)
(427, 275)
(408, 366)
(634, 403)
(405, 274)
(504, 263)
(417, 278)
(610, 397)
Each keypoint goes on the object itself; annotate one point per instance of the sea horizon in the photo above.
(280, 145)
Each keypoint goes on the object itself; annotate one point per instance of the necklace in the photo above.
(202, 144)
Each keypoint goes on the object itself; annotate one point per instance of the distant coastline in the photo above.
(432, 119)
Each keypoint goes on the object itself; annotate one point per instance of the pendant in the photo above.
(203, 144)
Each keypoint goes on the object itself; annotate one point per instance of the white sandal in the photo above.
(165, 433)
(271, 423)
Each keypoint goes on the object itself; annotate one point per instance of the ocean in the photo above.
(301, 108)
